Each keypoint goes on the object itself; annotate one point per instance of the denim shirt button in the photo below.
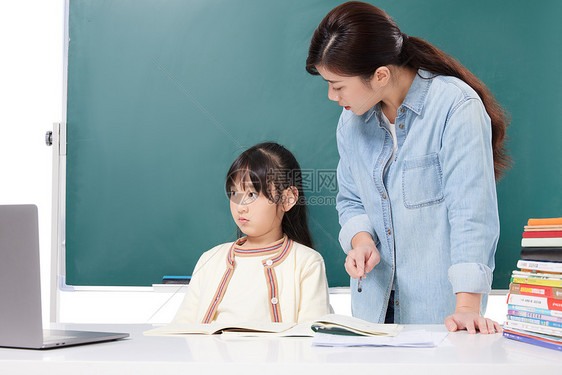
(388, 231)
(383, 196)
(401, 126)
(402, 109)
(396, 303)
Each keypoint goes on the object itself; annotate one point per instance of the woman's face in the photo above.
(352, 93)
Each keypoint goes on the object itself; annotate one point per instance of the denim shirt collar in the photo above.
(415, 98)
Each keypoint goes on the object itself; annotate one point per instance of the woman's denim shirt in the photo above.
(433, 215)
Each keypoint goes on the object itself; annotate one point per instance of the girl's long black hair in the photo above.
(272, 168)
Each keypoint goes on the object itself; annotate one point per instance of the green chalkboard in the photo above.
(164, 95)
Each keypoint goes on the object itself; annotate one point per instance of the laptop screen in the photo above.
(20, 284)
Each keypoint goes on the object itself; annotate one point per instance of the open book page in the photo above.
(298, 330)
(215, 328)
(348, 325)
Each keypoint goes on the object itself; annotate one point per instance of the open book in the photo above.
(331, 323)
(243, 328)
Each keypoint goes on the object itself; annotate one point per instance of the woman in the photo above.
(421, 143)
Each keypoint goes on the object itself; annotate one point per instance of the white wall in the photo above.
(31, 54)
(31, 68)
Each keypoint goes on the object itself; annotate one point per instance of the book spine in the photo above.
(540, 266)
(532, 340)
(539, 322)
(546, 221)
(537, 254)
(541, 227)
(536, 281)
(535, 310)
(543, 234)
(527, 314)
(536, 290)
(538, 335)
(537, 275)
(541, 242)
(531, 301)
(527, 271)
(534, 328)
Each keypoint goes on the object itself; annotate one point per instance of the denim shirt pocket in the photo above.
(422, 181)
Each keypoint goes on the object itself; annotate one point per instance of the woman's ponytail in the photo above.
(420, 54)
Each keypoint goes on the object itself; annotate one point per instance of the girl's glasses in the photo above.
(242, 197)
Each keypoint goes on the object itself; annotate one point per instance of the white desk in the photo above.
(461, 353)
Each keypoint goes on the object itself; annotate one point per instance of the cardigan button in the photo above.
(274, 301)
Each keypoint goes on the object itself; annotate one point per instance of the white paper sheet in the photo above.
(415, 339)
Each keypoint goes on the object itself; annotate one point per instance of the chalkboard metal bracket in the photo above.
(63, 286)
(58, 140)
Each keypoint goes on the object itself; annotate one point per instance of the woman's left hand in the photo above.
(471, 321)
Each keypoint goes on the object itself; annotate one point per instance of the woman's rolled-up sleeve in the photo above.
(470, 196)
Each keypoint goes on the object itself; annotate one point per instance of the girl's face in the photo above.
(256, 216)
(352, 93)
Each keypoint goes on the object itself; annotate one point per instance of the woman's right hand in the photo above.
(361, 260)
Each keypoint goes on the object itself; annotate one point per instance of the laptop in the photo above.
(20, 287)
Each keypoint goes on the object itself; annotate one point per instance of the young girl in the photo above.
(271, 274)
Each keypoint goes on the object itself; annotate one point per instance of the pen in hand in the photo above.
(359, 288)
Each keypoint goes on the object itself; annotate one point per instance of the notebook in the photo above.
(20, 288)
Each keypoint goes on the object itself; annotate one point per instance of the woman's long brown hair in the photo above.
(357, 38)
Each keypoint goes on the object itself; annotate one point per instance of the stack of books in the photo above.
(542, 240)
(535, 292)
